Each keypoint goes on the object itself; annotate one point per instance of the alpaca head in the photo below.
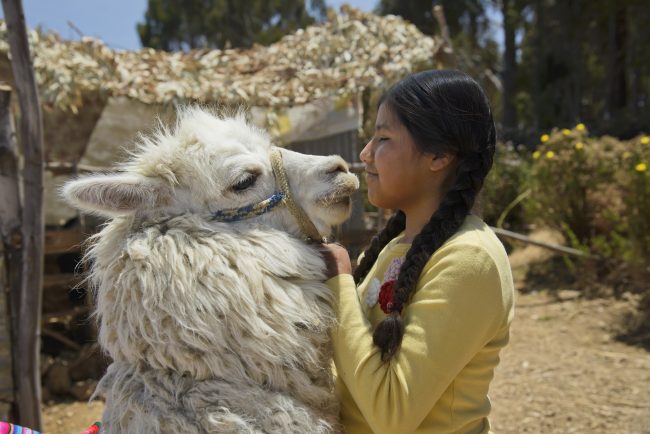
(209, 162)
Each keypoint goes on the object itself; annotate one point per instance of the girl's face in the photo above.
(398, 175)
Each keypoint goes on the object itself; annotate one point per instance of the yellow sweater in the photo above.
(456, 324)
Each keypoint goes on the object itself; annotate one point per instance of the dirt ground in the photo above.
(563, 371)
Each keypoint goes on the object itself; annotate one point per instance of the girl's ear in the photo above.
(116, 194)
(439, 162)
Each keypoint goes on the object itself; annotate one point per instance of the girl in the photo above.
(423, 319)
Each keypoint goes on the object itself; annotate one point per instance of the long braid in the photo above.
(445, 222)
(393, 227)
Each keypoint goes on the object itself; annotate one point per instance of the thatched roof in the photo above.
(349, 52)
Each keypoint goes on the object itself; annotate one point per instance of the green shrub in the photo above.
(505, 187)
(596, 190)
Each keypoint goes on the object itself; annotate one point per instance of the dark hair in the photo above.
(445, 112)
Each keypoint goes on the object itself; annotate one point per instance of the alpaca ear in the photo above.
(116, 194)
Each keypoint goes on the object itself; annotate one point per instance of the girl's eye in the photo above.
(245, 183)
(381, 139)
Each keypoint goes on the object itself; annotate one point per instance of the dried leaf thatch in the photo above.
(349, 52)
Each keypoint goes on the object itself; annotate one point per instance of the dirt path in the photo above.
(564, 373)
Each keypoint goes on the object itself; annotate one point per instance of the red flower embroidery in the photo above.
(386, 295)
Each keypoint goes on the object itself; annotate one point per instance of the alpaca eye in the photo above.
(245, 183)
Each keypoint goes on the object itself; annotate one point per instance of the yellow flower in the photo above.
(645, 140)
(566, 132)
(550, 155)
(580, 127)
(580, 145)
(536, 155)
(544, 138)
(641, 167)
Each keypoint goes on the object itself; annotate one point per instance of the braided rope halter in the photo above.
(282, 197)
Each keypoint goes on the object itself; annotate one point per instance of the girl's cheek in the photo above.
(379, 153)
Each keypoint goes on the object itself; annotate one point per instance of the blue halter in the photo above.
(248, 211)
(283, 197)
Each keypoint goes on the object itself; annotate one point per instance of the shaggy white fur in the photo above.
(213, 327)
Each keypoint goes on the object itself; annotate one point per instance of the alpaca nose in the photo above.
(337, 165)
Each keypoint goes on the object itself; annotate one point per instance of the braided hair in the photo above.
(444, 111)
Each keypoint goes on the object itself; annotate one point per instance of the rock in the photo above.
(57, 378)
(83, 390)
(46, 362)
(89, 364)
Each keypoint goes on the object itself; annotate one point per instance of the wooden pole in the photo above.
(11, 250)
(556, 247)
(27, 335)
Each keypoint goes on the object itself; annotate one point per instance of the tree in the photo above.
(510, 14)
(585, 60)
(462, 15)
(468, 23)
(174, 25)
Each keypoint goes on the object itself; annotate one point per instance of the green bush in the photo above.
(596, 190)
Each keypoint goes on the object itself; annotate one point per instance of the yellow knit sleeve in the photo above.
(457, 308)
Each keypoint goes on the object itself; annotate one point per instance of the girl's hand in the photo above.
(336, 258)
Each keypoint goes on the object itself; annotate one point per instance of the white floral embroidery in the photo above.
(372, 296)
(392, 273)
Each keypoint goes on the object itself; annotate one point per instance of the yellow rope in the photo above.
(306, 225)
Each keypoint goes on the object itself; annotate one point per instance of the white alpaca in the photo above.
(213, 326)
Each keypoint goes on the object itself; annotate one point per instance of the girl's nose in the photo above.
(366, 152)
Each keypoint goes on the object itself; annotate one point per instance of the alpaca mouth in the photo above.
(338, 197)
(341, 190)
(337, 201)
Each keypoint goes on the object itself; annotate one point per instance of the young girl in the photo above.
(422, 321)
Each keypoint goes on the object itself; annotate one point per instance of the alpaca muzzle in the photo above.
(282, 197)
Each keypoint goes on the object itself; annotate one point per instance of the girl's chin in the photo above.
(374, 200)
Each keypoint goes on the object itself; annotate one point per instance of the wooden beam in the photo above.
(27, 335)
(11, 247)
(62, 280)
(65, 168)
(7, 397)
(63, 241)
(61, 338)
(556, 247)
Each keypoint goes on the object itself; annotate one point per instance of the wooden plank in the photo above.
(62, 168)
(61, 280)
(27, 336)
(10, 249)
(65, 316)
(6, 373)
(59, 241)
(558, 248)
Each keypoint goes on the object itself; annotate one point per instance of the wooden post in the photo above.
(10, 250)
(27, 335)
(7, 397)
